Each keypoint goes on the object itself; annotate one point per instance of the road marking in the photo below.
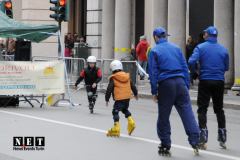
(122, 135)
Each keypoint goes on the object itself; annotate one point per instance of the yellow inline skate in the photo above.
(131, 125)
(114, 131)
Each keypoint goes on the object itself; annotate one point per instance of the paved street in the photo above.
(73, 133)
(50, 47)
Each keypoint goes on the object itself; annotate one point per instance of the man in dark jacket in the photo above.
(92, 76)
(214, 62)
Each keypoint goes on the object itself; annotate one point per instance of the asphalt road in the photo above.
(73, 133)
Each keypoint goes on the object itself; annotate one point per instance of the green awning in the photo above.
(10, 28)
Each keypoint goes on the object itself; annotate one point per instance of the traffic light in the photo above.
(7, 8)
(59, 10)
(62, 9)
(55, 9)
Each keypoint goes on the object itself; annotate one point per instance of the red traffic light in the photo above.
(62, 2)
(8, 5)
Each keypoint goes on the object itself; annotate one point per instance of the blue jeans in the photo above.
(143, 64)
(171, 92)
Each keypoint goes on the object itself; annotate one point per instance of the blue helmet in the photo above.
(211, 30)
(160, 31)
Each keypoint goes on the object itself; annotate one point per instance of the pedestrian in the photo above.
(120, 87)
(83, 43)
(1, 51)
(148, 54)
(169, 80)
(11, 46)
(133, 53)
(201, 38)
(2, 46)
(69, 43)
(189, 50)
(76, 38)
(189, 47)
(92, 75)
(214, 62)
(141, 53)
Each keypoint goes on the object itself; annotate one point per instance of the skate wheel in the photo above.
(165, 154)
(112, 135)
(223, 145)
(196, 152)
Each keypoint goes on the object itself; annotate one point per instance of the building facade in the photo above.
(37, 12)
(112, 27)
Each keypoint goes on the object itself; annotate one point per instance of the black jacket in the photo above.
(90, 76)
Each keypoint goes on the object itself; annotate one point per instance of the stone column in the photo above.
(224, 21)
(108, 26)
(160, 13)
(155, 16)
(177, 22)
(237, 46)
(122, 28)
(94, 23)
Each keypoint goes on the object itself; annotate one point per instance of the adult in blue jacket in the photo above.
(169, 80)
(214, 62)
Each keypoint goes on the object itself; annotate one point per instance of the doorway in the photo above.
(201, 14)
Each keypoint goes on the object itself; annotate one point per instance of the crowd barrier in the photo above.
(128, 66)
(8, 57)
(74, 67)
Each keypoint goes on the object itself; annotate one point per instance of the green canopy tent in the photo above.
(10, 28)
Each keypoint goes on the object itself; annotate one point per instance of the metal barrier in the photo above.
(128, 66)
(81, 50)
(43, 58)
(8, 57)
(74, 67)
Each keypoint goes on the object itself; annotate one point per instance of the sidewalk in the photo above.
(230, 99)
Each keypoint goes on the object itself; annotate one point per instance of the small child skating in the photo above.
(92, 75)
(121, 88)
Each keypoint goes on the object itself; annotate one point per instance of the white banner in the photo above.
(26, 78)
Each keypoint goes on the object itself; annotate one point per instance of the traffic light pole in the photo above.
(59, 41)
(61, 56)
